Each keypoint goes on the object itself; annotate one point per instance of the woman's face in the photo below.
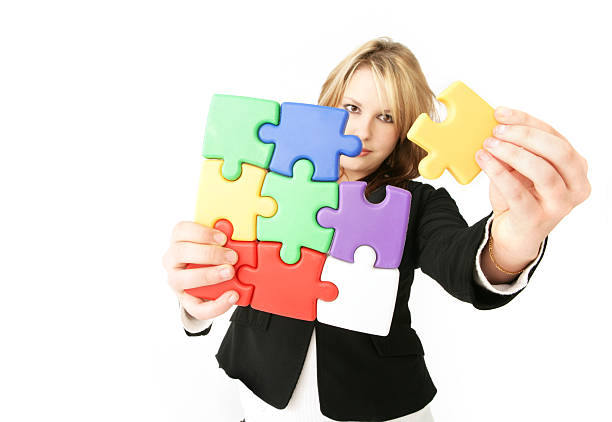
(371, 121)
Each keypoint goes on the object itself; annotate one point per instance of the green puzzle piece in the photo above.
(295, 223)
(232, 132)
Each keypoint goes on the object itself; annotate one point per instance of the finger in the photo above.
(207, 309)
(546, 180)
(528, 184)
(524, 181)
(188, 231)
(183, 279)
(517, 196)
(558, 152)
(510, 116)
(195, 253)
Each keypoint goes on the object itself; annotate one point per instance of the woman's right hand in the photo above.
(193, 243)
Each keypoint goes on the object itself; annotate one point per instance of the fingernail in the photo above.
(500, 129)
(233, 298)
(503, 112)
(482, 155)
(219, 238)
(491, 142)
(225, 273)
(231, 256)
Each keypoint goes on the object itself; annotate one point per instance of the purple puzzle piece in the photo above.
(310, 131)
(359, 222)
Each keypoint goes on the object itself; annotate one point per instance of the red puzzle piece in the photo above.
(288, 290)
(247, 255)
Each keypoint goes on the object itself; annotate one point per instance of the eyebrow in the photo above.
(359, 104)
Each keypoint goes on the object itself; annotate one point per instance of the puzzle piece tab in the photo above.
(231, 132)
(287, 290)
(313, 132)
(359, 222)
(367, 295)
(299, 199)
(453, 143)
(247, 255)
(238, 201)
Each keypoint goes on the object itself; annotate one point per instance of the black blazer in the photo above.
(363, 376)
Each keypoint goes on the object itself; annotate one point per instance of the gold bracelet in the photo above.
(493, 259)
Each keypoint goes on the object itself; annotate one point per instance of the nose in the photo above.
(359, 125)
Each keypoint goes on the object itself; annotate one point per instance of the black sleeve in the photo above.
(447, 249)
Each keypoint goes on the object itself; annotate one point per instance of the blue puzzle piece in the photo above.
(313, 132)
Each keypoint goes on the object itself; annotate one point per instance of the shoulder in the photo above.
(430, 201)
(424, 191)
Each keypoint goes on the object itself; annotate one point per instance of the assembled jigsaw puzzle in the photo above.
(269, 182)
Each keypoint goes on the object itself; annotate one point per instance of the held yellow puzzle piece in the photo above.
(238, 201)
(452, 144)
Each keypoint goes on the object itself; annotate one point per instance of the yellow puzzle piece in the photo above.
(238, 201)
(453, 143)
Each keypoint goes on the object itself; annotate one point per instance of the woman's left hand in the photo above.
(536, 177)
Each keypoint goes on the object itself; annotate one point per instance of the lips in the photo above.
(364, 152)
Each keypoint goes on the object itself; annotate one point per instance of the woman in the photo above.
(299, 370)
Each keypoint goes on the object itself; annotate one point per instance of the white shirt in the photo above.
(304, 403)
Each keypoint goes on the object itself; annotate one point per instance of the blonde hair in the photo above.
(398, 73)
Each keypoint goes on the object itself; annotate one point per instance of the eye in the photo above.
(351, 108)
(387, 118)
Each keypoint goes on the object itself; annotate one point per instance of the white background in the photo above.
(102, 114)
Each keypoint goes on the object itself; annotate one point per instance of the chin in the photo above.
(357, 165)
(351, 163)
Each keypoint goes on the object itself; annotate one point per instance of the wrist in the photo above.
(508, 261)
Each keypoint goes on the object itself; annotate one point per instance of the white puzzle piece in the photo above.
(366, 297)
